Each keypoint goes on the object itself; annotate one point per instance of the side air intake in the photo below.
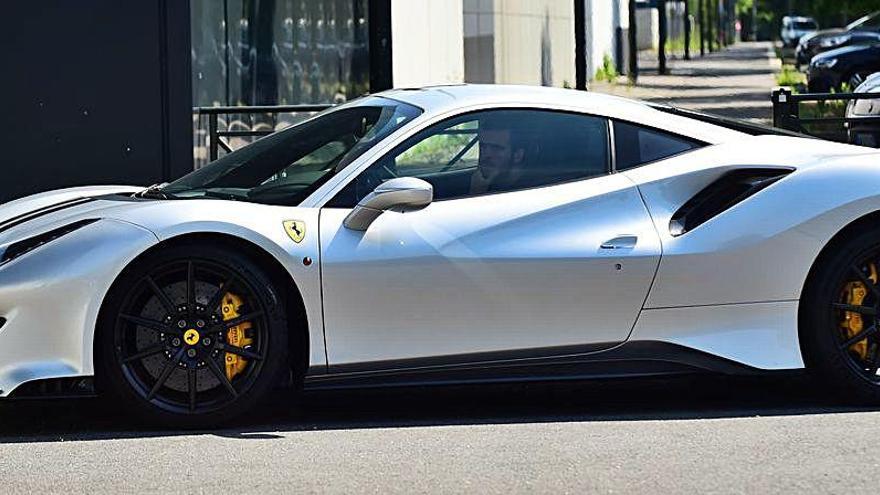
(722, 194)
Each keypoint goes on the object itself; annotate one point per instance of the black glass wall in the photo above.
(279, 52)
(94, 92)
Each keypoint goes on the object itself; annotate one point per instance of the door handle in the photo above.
(621, 242)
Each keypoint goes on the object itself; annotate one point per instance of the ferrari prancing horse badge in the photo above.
(296, 230)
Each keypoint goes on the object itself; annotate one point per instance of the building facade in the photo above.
(279, 52)
(161, 58)
(607, 27)
(427, 42)
(306, 52)
(98, 93)
(519, 42)
(270, 52)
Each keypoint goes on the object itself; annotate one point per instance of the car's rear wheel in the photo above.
(192, 335)
(840, 330)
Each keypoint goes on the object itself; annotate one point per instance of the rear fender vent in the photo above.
(722, 194)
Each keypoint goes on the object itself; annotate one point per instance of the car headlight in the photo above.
(834, 41)
(21, 248)
(825, 63)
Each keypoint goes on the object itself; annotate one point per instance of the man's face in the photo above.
(496, 153)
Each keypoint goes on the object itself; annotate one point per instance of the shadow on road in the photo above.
(718, 71)
(618, 400)
(677, 86)
(735, 82)
(756, 99)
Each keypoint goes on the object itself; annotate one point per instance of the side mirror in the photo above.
(404, 192)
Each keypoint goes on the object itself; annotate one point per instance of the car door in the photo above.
(554, 256)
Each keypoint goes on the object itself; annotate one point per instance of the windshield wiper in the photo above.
(155, 191)
(222, 195)
(200, 193)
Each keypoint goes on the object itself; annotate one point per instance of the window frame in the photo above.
(613, 121)
(413, 139)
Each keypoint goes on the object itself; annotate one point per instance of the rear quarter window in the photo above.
(635, 145)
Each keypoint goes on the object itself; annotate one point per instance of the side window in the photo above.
(493, 151)
(635, 145)
(454, 148)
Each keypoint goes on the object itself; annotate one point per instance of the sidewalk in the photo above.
(734, 83)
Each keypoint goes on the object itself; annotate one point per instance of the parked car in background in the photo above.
(865, 133)
(863, 31)
(850, 65)
(796, 27)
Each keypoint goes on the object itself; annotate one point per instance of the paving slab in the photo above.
(735, 82)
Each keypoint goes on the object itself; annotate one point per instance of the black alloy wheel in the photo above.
(193, 335)
(840, 329)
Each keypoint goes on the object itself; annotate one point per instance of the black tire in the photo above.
(163, 341)
(827, 348)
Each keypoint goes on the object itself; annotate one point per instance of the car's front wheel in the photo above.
(192, 335)
(840, 330)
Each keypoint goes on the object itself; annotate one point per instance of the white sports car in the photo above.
(446, 235)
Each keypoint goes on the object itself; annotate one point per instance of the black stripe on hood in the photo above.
(26, 217)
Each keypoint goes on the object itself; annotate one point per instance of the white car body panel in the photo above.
(497, 272)
(728, 289)
(36, 201)
(52, 301)
(769, 257)
(765, 332)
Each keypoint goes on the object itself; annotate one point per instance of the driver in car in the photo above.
(502, 156)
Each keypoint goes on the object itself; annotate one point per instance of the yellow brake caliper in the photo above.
(852, 323)
(236, 336)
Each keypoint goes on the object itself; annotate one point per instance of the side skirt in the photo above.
(631, 359)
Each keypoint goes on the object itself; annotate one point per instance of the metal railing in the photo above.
(226, 123)
(787, 114)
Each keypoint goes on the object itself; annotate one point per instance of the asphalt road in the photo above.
(706, 435)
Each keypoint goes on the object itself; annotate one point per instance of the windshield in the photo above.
(870, 22)
(285, 167)
(805, 25)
